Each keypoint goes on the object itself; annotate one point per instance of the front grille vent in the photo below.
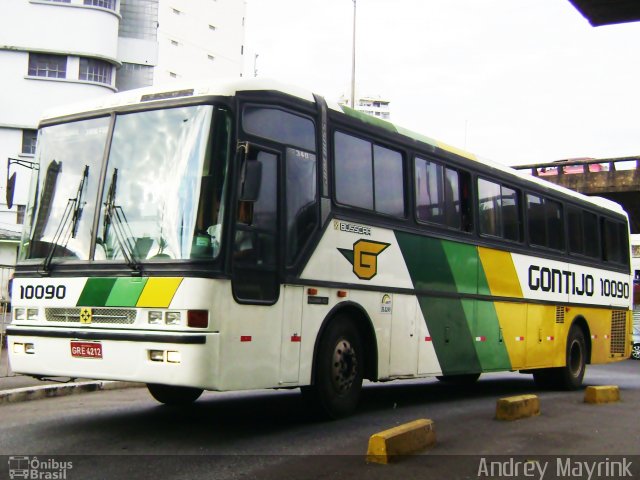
(618, 331)
(111, 316)
(559, 314)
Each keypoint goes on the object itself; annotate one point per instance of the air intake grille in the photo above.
(559, 314)
(115, 316)
(618, 331)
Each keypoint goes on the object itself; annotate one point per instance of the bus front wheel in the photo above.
(338, 370)
(172, 395)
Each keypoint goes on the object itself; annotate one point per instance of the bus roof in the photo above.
(231, 86)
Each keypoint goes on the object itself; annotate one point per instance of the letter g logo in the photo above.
(364, 257)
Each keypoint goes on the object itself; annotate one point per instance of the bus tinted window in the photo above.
(576, 231)
(545, 222)
(614, 242)
(511, 214)
(389, 181)
(489, 203)
(441, 195)
(353, 171)
(555, 229)
(302, 211)
(591, 246)
(583, 232)
(280, 126)
(368, 176)
(499, 214)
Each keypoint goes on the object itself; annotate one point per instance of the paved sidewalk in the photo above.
(18, 388)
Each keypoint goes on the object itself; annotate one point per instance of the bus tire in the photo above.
(339, 365)
(172, 395)
(464, 379)
(571, 375)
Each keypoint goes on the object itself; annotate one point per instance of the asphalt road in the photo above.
(269, 434)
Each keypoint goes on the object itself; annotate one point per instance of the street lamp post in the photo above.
(353, 60)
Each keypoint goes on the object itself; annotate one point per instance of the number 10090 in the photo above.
(39, 292)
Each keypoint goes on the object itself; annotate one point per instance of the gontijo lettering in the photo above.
(564, 281)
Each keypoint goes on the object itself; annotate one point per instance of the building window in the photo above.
(51, 66)
(29, 138)
(176, 11)
(212, 28)
(108, 4)
(132, 75)
(139, 19)
(174, 43)
(93, 70)
(211, 57)
(20, 211)
(173, 75)
(60, 1)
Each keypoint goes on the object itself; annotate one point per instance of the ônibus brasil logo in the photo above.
(364, 257)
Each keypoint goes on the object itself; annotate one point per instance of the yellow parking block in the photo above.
(521, 406)
(405, 439)
(602, 394)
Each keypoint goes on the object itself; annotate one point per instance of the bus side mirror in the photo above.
(11, 186)
(251, 180)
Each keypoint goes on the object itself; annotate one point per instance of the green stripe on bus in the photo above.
(463, 262)
(427, 263)
(95, 292)
(126, 292)
(490, 346)
(466, 333)
(449, 330)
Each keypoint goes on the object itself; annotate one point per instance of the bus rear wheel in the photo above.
(338, 371)
(172, 395)
(571, 375)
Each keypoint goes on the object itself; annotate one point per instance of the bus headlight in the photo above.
(173, 357)
(32, 313)
(156, 355)
(172, 318)
(19, 313)
(154, 318)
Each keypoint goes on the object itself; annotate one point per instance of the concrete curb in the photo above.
(520, 406)
(47, 391)
(405, 439)
(602, 394)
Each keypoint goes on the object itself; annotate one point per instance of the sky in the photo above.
(514, 81)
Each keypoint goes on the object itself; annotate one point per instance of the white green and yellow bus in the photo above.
(246, 235)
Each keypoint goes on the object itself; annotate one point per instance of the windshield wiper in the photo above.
(73, 212)
(114, 216)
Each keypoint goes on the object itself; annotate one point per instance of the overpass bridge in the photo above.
(617, 179)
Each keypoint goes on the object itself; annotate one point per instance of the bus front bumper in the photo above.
(171, 358)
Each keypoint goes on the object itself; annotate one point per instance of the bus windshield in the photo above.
(161, 197)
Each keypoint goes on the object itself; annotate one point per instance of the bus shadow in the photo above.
(217, 421)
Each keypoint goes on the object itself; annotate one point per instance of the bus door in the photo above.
(255, 277)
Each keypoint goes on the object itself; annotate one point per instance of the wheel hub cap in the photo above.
(344, 366)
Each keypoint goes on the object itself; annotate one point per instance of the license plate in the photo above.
(86, 349)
